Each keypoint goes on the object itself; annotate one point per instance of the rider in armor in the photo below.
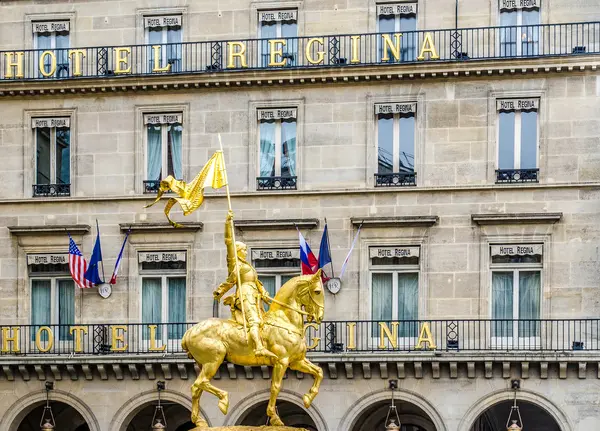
(250, 290)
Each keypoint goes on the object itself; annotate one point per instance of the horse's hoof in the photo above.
(276, 421)
(224, 404)
(201, 423)
(307, 400)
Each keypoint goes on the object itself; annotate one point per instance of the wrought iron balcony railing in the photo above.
(517, 175)
(51, 190)
(397, 179)
(391, 337)
(276, 183)
(347, 50)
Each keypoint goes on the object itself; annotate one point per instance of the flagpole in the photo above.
(237, 267)
(329, 249)
(102, 261)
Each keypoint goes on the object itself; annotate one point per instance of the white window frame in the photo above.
(516, 341)
(517, 140)
(59, 344)
(164, 41)
(53, 154)
(278, 147)
(404, 343)
(396, 30)
(278, 272)
(164, 139)
(52, 47)
(519, 30)
(278, 30)
(395, 143)
(164, 275)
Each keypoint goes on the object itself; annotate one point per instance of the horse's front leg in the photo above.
(308, 367)
(276, 378)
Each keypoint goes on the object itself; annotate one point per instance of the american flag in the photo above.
(77, 265)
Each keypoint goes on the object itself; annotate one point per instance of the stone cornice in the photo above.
(355, 74)
(78, 229)
(301, 223)
(516, 218)
(402, 221)
(160, 227)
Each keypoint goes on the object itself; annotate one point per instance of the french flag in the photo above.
(308, 261)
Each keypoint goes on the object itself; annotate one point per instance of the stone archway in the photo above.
(369, 413)
(495, 417)
(66, 417)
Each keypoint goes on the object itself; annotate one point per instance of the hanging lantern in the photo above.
(517, 424)
(47, 422)
(514, 427)
(159, 421)
(392, 420)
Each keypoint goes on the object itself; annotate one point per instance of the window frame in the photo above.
(164, 148)
(53, 157)
(278, 272)
(397, 22)
(286, 50)
(519, 31)
(164, 60)
(515, 340)
(278, 146)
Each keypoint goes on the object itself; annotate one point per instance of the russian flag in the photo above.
(308, 261)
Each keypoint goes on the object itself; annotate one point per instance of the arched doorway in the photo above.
(177, 417)
(534, 417)
(66, 417)
(291, 414)
(412, 417)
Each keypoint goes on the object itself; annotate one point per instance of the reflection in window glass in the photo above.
(385, 149)
(506, 137)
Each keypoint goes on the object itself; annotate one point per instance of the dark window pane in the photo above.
(407, 144)
(43, 155)
(385, 145)
(63, 156)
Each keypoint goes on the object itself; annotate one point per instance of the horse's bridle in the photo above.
(297, 310)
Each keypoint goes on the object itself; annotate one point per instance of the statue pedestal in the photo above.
(248, 428)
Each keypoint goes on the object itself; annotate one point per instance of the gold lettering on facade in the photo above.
(320, 54)
(355, 44)
(351, 340)
(38, 339)
(429, 47)
(43, 63)
(425, 336)
(10, 63)
(389, 46)
(153, 347)
(232, 53)
(122, 60)
(384, 331)
(6, 338)
(157, 57)
(116, 337)
(77, 56)
(274, 50)
(78, 331)
(316, 340)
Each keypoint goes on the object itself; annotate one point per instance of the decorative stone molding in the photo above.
(309, 223)
(403, 221)
(78, 229)
(516, 218)
(160, 227)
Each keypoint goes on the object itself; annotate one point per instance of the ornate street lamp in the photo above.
(47, 422)
(392, 420)
(517, 424)
(159, 422)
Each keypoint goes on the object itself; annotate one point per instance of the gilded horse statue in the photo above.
(213, 341)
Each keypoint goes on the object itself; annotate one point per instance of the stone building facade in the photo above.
(467, 151)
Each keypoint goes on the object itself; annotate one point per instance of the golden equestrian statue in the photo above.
(274, 338)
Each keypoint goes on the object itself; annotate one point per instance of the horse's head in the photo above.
(311, 296)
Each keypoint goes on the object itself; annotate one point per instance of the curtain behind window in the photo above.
(408, 303)
(62, 58)
(154, 38)
(288, 150)
(529, 140)
(268, 30)
(502, 303)
(174, 49)
(506, 138)
(387, 24)
(40, 307)
(174, 132)
(268, 282)
(530, 32)
(154, 152)
(177, 312)
(66, 307)
(381, 300)
(151, 304)
(43, 43)
(508, 35)
(407, 144)
(408, 27)
(529, 303)
(289, 31)
(267, 149)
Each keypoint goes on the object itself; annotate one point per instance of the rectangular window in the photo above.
(395, 144)
(163, 148)
(394, 273)
(519, 32)
(164, 31)
(52, 36)
(279, 24)
(277, 149)
(163, 294)
(276, 267)
(516, 294)
(52, 295)
(52, 140)
(400, 19)
(517, 140)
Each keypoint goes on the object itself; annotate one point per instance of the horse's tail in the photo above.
(184, 342)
